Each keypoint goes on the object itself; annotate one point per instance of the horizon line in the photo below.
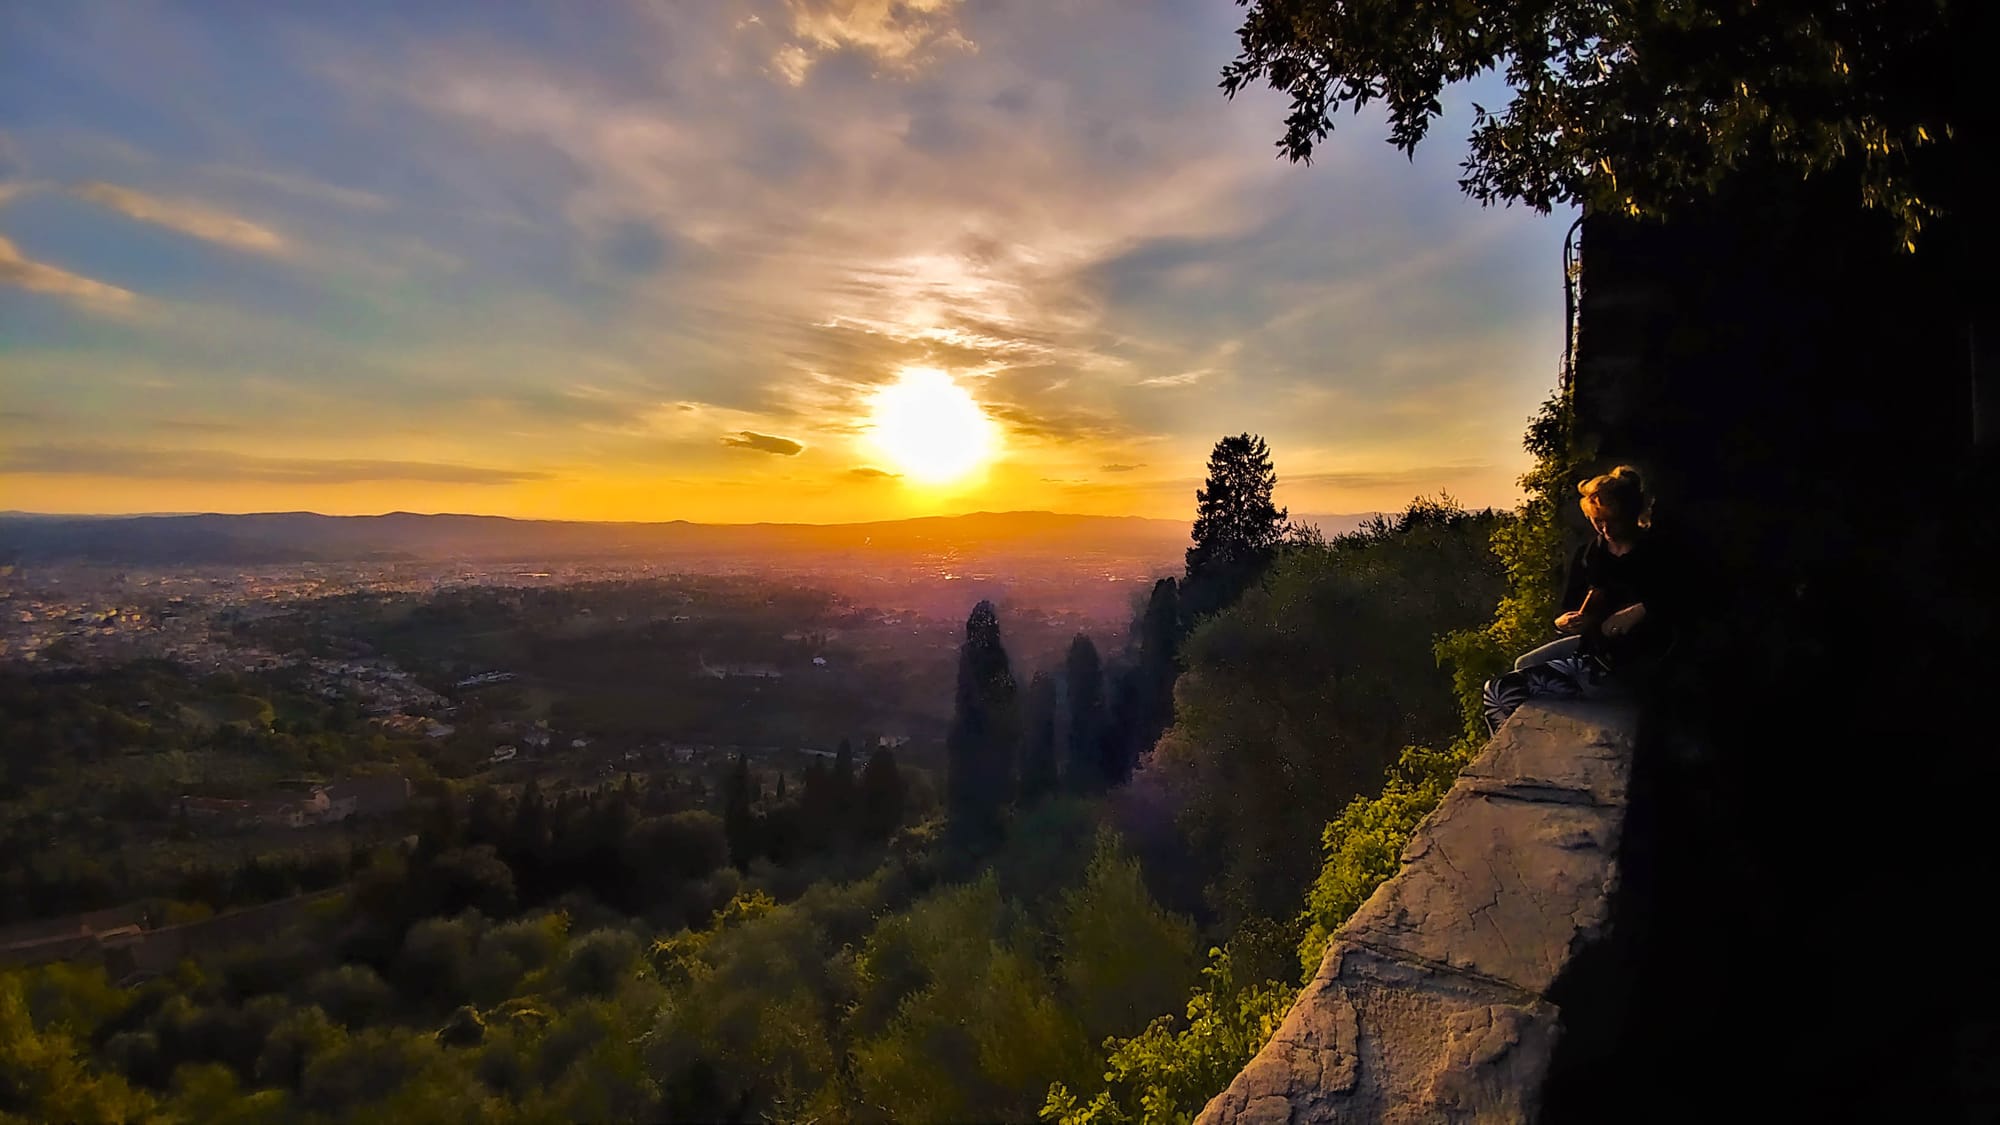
(17, 512)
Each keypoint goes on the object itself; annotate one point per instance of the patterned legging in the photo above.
(1554, 671)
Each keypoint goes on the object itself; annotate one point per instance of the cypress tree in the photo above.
(738, 822)
(1038, 739)
(985, 721)
(881, 797)
(1152, 680)
(1088, 727)
(846, 796)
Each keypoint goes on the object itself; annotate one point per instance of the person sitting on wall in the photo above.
(1619, 608)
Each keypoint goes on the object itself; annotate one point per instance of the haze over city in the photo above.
(729, 263)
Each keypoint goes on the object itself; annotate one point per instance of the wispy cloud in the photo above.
(1118, 468)
(205, 465)
(897, 35)
(869, 472)
(15, 269)
(192, 219)
(198, 425)
(764, 443)
(1055, 424)
(1418, 476)
(353, 198)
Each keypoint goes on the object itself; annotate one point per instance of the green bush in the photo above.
(1167, 1072)
(351, 994)
(1364, 844)
(599, 961)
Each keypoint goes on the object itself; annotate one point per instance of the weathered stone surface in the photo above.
(1558, 750)
(1431, 1003)
(1373, 1039)
(1502, 889)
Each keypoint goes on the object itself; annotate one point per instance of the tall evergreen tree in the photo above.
(1088, 721)
(881, 797)
(1123, 724)
(846, 795)
(1237, 529)
(985, 723)
(1146, 701)
(530, 834)
(843, 775)
(819, 811)
(738, 821)
(1038, 739)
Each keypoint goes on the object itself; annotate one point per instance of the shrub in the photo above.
(352, 994)
(599, 961)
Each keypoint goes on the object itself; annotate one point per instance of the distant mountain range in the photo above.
(283, 537)
(286, 537)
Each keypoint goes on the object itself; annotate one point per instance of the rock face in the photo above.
(1432, 1001)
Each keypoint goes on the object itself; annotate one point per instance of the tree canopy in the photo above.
(1631, 106)
(1237, 529)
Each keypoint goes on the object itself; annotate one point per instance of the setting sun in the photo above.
(930, 427)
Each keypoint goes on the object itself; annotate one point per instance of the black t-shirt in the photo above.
(1651, 573)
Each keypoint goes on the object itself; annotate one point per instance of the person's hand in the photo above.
(1569, 622)
(1620, 623)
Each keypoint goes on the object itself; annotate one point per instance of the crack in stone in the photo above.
(1510, 992)
(1536, 793)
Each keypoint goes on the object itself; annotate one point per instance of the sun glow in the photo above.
(930, 427)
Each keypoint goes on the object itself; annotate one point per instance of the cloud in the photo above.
(898, 35)
(764, 443)
(43, 278)
(198, 425)
(352, 198)
(204, 465)
(1381, 478)
(1054, 424)
(1118, 468)
(1184, 379)
(869, 472)
(190, 219)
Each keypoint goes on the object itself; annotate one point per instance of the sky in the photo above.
(656, 260)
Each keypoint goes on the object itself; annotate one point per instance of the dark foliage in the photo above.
(985, 726)
(1237, 529)
(1638, 108)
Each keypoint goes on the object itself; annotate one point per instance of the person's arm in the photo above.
(1577, 587)
(1576, 593)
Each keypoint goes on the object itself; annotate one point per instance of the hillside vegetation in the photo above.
(1106, 936)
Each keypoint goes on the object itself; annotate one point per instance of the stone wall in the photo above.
(1433, 1002)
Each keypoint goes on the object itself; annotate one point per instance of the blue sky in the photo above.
(558, 259)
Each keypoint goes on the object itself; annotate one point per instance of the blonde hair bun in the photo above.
(1620, 492)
